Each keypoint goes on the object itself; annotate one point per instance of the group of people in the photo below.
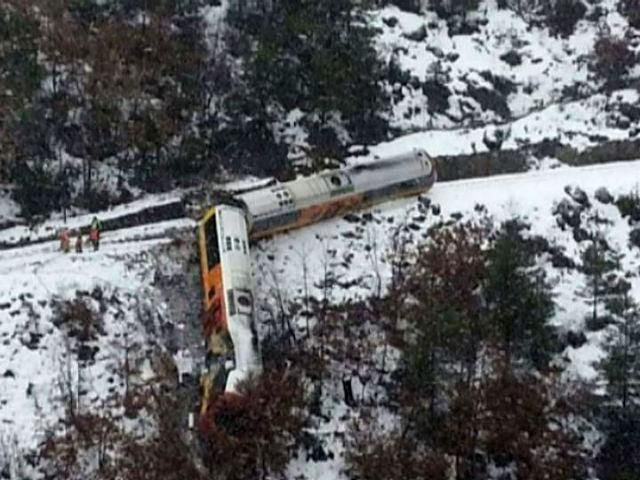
(94, 237)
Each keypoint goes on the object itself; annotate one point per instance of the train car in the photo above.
(228, 320)
(301, 202)
(223, 237)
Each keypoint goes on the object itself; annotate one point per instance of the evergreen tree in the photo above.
(444, 312)
(20, 76)
(619, 457)
(318, 57)
(621, 367)
(518, 297)
(599, 264)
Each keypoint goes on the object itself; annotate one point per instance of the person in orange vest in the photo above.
(94, 233)
(79, 241)
(65, 243)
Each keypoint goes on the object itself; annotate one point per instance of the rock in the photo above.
(87, 353)
(390, 21)
(452, 56)
(418, 35)
(567, 213)
(634, 237)
(560, 260)
(576, 339)
(511, 58)
(33, 341)
(580, 234)
(424, 201)
(367, 217)
(437, 52)
(622, 123)
(9, 374)
(603, 195)
(577, 195)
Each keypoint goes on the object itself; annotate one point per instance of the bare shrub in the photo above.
(255, 435)
(631, 9)
(375, 455)
(612, 59)
(563, 16)
(78, 319)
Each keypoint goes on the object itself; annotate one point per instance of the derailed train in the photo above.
(224, 233)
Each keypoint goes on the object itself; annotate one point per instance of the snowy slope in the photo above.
(580, 124)
(547, 65)
(34, 352)
(38, 357)
(356, 253)
(34, 349)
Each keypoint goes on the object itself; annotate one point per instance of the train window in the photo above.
(236, 242)
(244, 300)
(244, 246)
(211, 241)
(335, 180)
(227, 241)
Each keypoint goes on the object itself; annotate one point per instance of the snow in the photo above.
(548, 64)
(33, 277)
(126, 266)
(572, 123)
(530, 196)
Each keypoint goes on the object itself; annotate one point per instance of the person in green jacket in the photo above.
(94, 232)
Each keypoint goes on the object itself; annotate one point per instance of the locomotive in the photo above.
(224, 233)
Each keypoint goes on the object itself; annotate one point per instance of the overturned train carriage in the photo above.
(223, 238)
(329, 194)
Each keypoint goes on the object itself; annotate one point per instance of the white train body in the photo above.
(328, 194)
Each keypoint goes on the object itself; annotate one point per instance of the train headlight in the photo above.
(240, 301)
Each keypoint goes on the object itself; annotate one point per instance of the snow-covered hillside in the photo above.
(521, 67)
(363, 246)
(45, 359)
(122, 280)
(357, 251)
(454, 90)
(142, 283)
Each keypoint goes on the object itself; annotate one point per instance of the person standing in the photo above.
(94, 233)
(65, 243)
(79, 241)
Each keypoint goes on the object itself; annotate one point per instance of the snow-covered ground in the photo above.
(34, 352)
(39, 357)
(423, 46)
(530, 196)
(34, 347)
(580, 124)
(356, 254)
